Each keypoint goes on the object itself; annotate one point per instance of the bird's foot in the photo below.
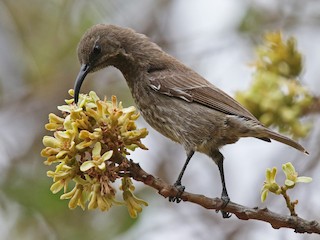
(226, 214)
(180, 188)
(226, 200)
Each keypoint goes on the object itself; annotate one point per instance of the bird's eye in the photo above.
(96, 49)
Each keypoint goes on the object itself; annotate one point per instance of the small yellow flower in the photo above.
(97, 200)
(58, 185)
(89, 138)
(270, 184)
(61, 177)
(133, 203)
(292, 176)
(59, 147)
(97, 161)
(76, 196)
(55, 123)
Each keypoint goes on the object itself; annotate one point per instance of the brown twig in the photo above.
(276, 220)
(290, 205)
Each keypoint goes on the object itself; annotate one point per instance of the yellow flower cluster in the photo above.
(86, 144)
(276, 97)
(279, 57)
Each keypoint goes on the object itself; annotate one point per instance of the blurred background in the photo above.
(38, 65)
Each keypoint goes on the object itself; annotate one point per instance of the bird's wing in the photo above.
(191, 87)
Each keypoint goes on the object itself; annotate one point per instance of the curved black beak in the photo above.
(85, 69)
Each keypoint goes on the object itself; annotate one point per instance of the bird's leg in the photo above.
(218, 158)
(178, 184)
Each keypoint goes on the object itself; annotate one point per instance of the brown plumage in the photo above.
(172, 98)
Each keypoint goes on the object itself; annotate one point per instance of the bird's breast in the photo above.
(188, 123)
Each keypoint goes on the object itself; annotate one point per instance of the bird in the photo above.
(172, 98)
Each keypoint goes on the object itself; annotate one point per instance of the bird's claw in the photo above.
(181, 189)
(226, 214)
(225, 200)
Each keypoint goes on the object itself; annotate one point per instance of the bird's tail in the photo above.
(283, 139)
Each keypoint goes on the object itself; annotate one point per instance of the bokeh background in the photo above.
(38, 65)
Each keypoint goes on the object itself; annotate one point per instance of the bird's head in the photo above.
(99, 47)
(109, 45)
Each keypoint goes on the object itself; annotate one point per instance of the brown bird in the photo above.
(172, 98)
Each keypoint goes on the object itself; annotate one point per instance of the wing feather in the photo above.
(191, 87)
